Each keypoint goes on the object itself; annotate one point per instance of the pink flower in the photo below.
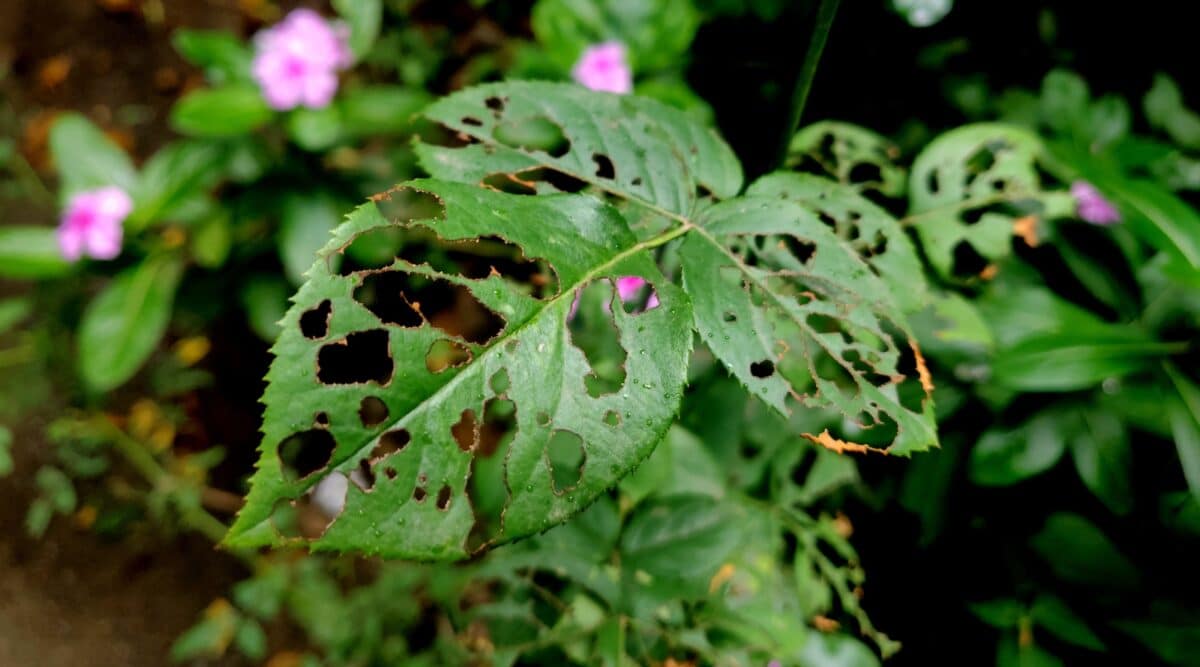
(604, 67)
(297, 60)
(91, 225)
(1091, 206)
(628, 288)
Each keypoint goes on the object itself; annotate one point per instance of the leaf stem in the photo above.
(808, 71)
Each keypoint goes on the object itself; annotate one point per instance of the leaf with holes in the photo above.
(397, 384)
(798, 317)
(851, 154)
(553, 137)
(968, 187)
(872, 232)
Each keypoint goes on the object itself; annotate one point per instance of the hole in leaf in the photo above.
(390, 472)
(466, 430)
(636, 181)
(801, 250)
(543, 419)
(729, 317)
(967, 261)
(612, 418)
(363, 477)
(604, 166)
(762, 369)
(372, 411)
(389, 443)
(636, 294)
(314, 323)
(443, 497)
(495, 104)
(407, 204)
(525, 182)
(321, 419)
(373, 249)
(538, 133)
(325, 500)
(865, 172)
(363, 356)
(306, 452)
(499, 382)
(407, 299)
(594, 332)
(284, 519)
(510, 183)
(444, 354)
(567, 456)
(473, 122)
(419, 494)
(480, 258)
(932, 181)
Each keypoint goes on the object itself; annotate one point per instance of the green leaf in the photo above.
(30, 252)
(364, 18)
(656, 32)
(1071, 361)
(315, 129)
(265, 300)
(1184, 416)
(177, 173)
(1005, 457)
(223, 57)
(1012, 654)
(1103, 458)
(1152, 212)
(632, 147)
(375, 110)
(86, 159)
(122, 326)
(852, 155)
(1165, 111)
(250, 639)
(1064, 102)
(1002, 613)
(1176, 643)
(868, 229)
(1079, 553)
(307, 220)
(960, 190)
(680, 542)
(783, 302)
(212, 239)
(1057, 618)
(6, 462)
(228, 111)
(335, 353)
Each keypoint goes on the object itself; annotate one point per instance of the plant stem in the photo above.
(808, 71)
(147, 465)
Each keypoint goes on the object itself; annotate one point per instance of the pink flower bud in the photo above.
(1091, 206)
(604, 67)
(91, 225)
(297, 60)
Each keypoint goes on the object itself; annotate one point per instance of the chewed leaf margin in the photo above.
(798, 318)
(396, 426)
(632, 147)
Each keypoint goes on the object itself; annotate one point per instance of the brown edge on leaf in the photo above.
(1026, 229)
(922, 370)
(826, 440)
